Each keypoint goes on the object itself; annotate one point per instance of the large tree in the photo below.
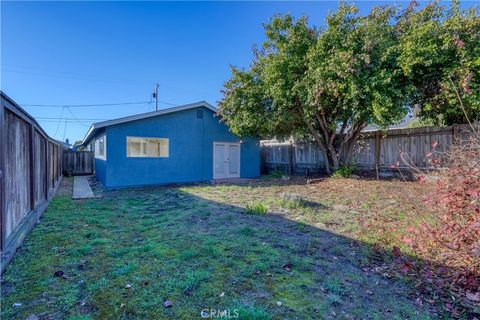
(439, 53)
(330, 83)
(324, 83)
(353, 80)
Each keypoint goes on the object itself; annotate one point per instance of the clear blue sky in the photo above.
(71, 53)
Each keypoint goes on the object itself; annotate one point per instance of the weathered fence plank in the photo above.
(2, 177)
(17, 178)
(40, 172)
(374, 150)
(30, 170)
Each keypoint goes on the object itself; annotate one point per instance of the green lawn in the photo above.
(124, 255)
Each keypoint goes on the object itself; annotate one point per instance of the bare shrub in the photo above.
(456, 208)
(447, 234)
(451, 214)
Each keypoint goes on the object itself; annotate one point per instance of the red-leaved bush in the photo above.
(437, 241)
(448, 236)
(452, 218)
(443, 231)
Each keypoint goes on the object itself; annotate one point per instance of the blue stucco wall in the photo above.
(100, 165)
(101, 170)
(190, 151)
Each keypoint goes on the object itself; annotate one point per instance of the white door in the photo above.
(226, 160)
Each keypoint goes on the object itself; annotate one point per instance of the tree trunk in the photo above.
(347, 158)
(323, 149)
(316, 135)
(329, 138)
(336, 147)
(350, 145)
(334, 157)
(325, 157)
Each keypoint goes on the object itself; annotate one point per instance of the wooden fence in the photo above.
(374, 150)
(30, 171)
(76, 163)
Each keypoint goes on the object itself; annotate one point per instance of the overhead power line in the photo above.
(65, 121)
(59, 121)
(75, 119)
(95, 105)
(84, 105)
(64, 131)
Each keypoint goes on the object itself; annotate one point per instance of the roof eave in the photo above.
(112, 122)
(88, 135)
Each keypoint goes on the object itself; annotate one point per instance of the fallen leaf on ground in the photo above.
(81, 264)
(473, 296)
(419, 302)
(396, 251)
(405, 268)
(287, 266)
(60, 274)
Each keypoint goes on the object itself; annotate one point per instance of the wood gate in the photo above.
(77, 163)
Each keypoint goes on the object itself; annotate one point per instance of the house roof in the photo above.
(64, 144)
(98, 125)
(401, 125)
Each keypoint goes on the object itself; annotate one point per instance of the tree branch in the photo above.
(315, 134)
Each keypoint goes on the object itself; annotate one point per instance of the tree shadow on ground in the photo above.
(127, 254)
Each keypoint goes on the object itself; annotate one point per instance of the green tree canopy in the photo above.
(439, 53)
(330, 83)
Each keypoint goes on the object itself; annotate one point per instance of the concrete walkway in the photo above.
(81, 188)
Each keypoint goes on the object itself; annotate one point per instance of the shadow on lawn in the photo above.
(126, 254)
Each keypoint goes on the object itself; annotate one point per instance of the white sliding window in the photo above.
(101, 148)
(147, 147)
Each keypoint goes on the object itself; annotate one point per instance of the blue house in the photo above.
(182, 144)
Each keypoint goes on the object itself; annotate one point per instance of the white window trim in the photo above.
(98, 156)
(147, 156)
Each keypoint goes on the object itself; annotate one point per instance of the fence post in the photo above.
(454, 133)
(291, 160)
(47, 168)
(32, 166)
(45, 182)
(377, 152)
(3, 154)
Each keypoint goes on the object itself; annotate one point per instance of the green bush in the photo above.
(256, 208)
(343, 172)
(277, 174)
